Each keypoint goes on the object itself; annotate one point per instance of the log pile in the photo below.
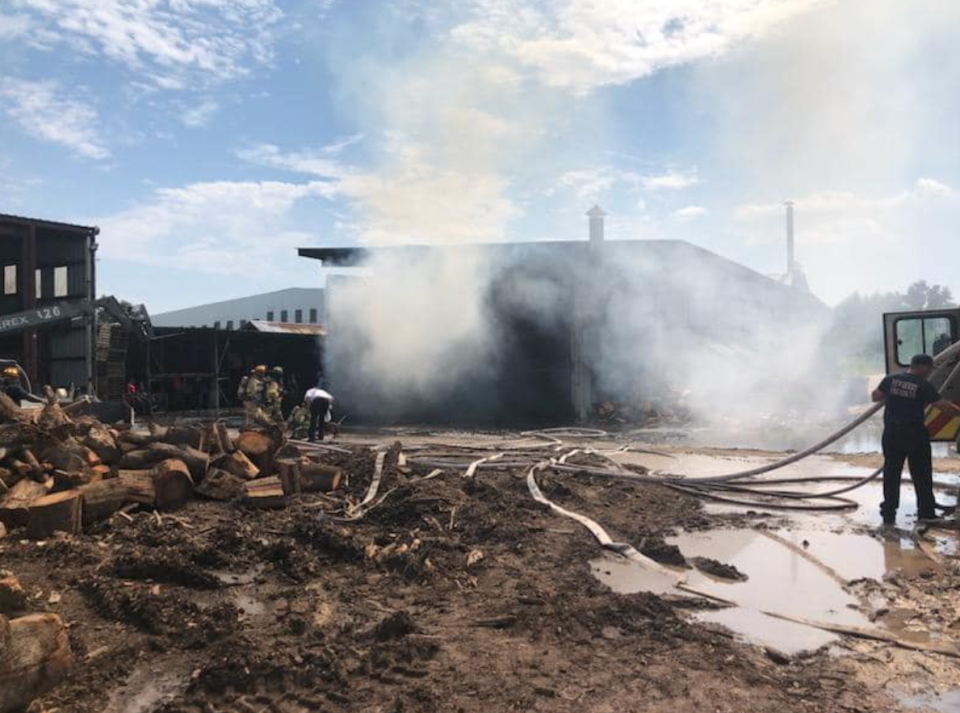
(60, 474)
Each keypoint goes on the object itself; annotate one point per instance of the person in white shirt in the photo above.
(319, 401)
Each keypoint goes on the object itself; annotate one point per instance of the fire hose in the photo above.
(731, 488)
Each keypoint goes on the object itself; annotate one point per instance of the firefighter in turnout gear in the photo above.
(251, 393)
(299, 422)
(273, 395)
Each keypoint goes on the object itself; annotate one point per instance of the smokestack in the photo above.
(791, 262)
(596, 224)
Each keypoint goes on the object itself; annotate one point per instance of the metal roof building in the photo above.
(573, 323)
(295, 305)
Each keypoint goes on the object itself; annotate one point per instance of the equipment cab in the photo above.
(932, 332)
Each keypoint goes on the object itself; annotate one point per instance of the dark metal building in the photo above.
(43, 263)
(199, 369)
(568, 325)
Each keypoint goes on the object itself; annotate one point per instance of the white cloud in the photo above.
(227, 227)
(844, 217)
(582, 44)
(40, 110)
(318, 163)
(13, 26)
(170, 41)
(689, 212)
(199, 115)
(412, 199)
(591, 184)
(671, 180)
(933, 186)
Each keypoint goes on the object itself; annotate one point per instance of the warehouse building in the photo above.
(295, 305)
(567, 326)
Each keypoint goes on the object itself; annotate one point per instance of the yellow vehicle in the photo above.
(937, 333)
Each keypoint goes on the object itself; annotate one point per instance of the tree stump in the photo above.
(35, 656)
(57, 512)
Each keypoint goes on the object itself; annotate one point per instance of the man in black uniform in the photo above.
(905, 436)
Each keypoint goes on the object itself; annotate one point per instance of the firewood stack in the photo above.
(61, 474)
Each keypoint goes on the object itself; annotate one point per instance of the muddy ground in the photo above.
(454, 594)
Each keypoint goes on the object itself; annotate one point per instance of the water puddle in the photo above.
(797, 573)
(147, 689)
(948, 702)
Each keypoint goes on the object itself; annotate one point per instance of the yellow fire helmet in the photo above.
(260, 370)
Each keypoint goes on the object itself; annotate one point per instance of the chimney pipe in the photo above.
(596, 215)
(791, 262)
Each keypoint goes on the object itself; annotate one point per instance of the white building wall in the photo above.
(284, 306)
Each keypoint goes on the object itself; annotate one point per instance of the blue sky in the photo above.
(210, 138)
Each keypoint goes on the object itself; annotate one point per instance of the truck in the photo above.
(935, 332)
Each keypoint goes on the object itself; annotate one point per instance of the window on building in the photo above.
(229, 324)
(216, 325)
(313, 316)
(10, 280)
(298, 316)
(270, 316)
(39, 284)
(284, 316)
(60, 282)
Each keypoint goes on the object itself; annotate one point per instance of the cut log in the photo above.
(239, 465)
(36, 467)
(165, 487)
(65, 459)
(140, 459)
(173, 484)
(100, 440)
(182, 436)
(8, 479)
(10, 411)
(224, 437)
(265, 493)
(139, 486)
(288, 470)
(3, 530)
(13, 598)
(59, 512)
(315, 477)
(196, 461)
(141, 440)
(102, 499)
(68, 481)
(258, 447)
(35, 656)
(221, 485)
(15, 505)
